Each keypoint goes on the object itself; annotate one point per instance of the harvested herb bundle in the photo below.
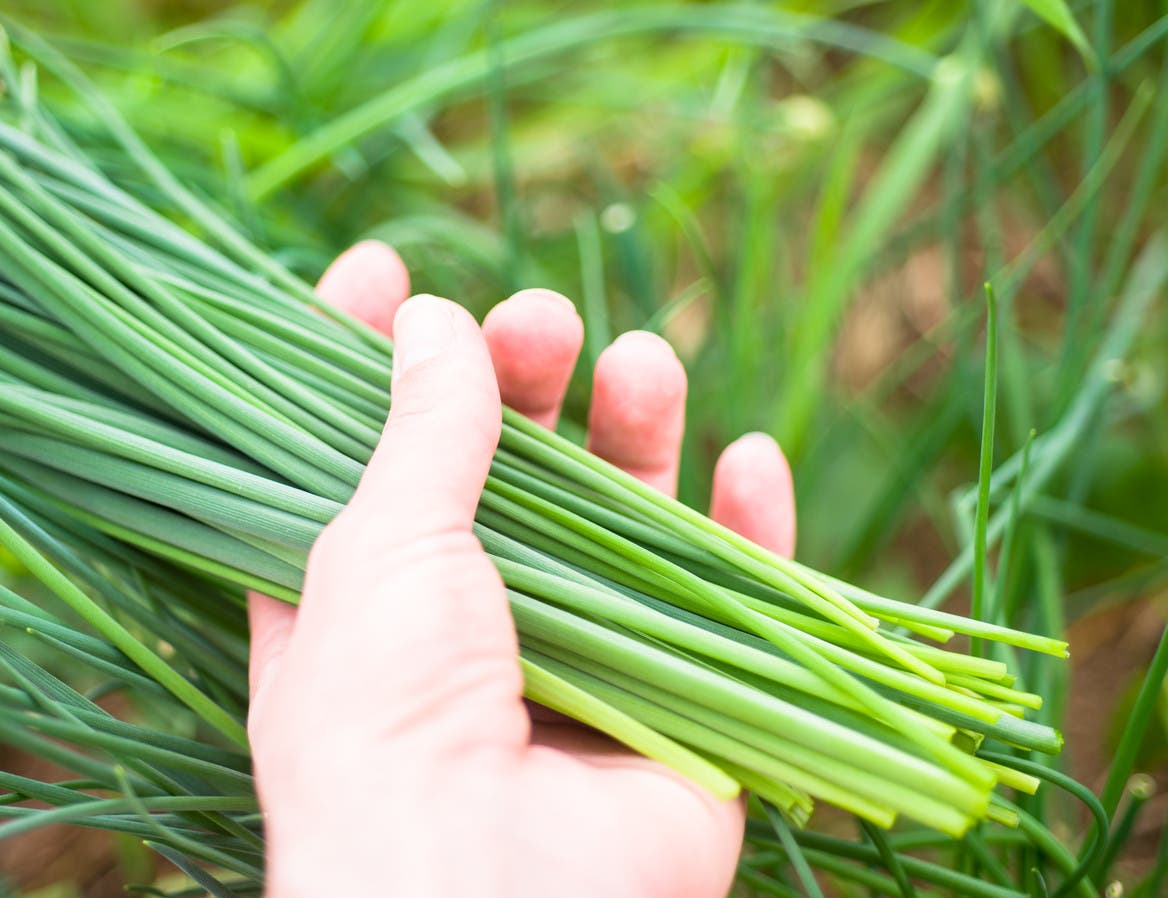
(169, 391)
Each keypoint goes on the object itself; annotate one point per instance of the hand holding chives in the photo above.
(394, 695)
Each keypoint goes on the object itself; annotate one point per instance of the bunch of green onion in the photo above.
(171, 392)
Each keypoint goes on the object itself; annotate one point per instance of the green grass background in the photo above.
(806, 199)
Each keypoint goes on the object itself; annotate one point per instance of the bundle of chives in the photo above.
(193, 801)
(190, 399)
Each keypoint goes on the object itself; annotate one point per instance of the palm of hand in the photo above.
(529, 803)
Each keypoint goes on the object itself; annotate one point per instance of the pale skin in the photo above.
(394, 754)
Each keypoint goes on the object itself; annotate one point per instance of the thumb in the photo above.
(404, 618)
(429, 468)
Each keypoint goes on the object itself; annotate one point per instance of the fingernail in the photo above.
(645, 338)
(541, 296)
(758, 441)
(423, 328)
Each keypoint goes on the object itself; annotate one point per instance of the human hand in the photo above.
(393, 752)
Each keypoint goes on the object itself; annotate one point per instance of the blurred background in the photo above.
(806, 199)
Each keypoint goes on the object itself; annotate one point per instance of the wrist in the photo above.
(328, 843)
